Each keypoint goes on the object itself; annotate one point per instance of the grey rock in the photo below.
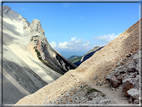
(104, 101)
(134, 93)
(131, 65)
(118, 63)
(115, 83)
(125, 87)
(132, 70)
(7, 12)
(127, 79)
(6, 9)
(137, 60)
(136, 101)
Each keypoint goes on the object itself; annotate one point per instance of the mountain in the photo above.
(117, 62)
(68, 54)
(29, 62)
(44, 52)
(75, 59)
(90, 53)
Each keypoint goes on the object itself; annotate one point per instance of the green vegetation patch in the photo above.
(91, 90)
(74, 59)
(40, 58)
(24, 27)
(38, 54)
(33, 37)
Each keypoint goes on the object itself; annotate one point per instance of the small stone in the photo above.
(117, 90)
(113, 89)
(95, 78)
(83, 101)
(130, 100)
(136, 101)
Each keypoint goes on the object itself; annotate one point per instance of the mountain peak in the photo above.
(14, 16)
(6, 9)
(36, 26)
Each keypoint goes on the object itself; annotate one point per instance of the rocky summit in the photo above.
(41, 49)
(110, 76)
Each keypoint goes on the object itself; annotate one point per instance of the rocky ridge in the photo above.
(14, 16)
(90, 53)
(45, 52)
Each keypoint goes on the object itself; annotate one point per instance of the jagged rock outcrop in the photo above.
(45, 52)
(91, 71)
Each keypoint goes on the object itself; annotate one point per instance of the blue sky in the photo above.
(80, 26)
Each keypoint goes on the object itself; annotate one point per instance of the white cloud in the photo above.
(107, 38)
(86, 44)
(53, 44)
(63, 45)
(72, 39)
(74, 44)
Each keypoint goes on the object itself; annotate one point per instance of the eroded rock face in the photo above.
(7, 12)
(45, 52)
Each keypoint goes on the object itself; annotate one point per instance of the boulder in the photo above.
(122, 71)
(115, 83)
(135, 82)
(127, 85)
(131, 65)
(134, 93)
(136, 60)
(132, 70)
(118, 77)
(115, 79)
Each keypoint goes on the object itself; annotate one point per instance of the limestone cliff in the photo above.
(45, 52)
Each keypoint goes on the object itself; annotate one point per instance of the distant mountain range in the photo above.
(68, 54)
(77, 60)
